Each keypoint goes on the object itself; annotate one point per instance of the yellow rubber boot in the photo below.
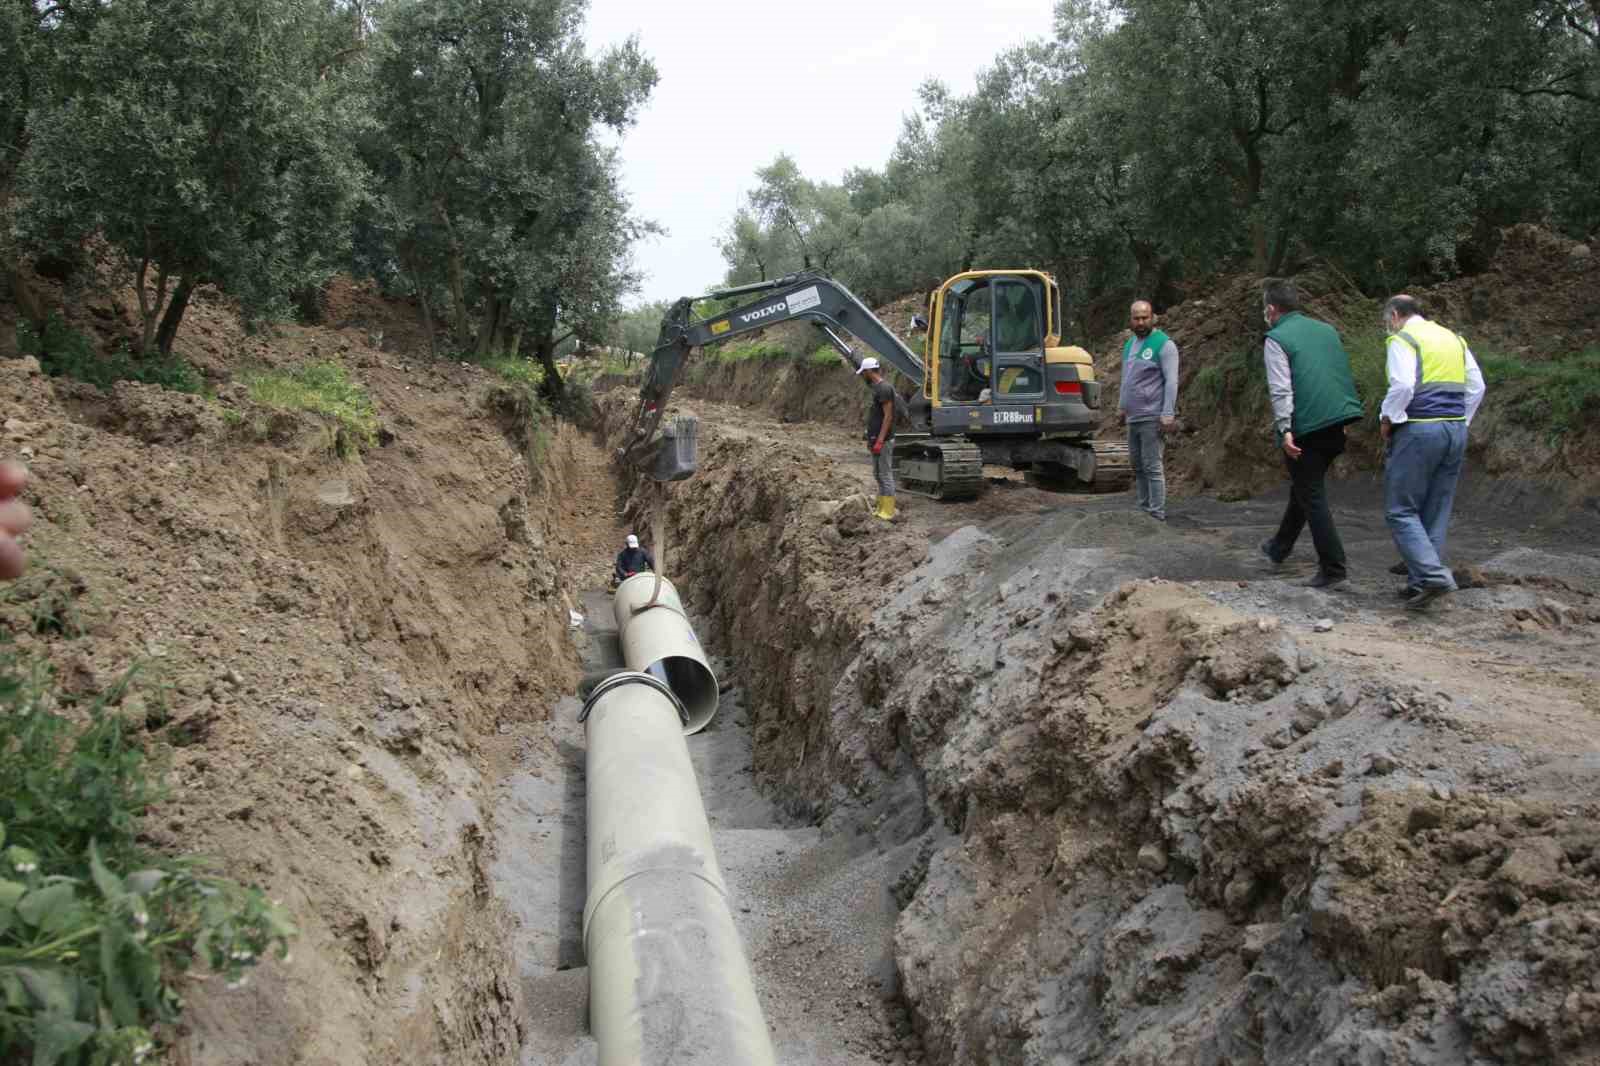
(885, 509)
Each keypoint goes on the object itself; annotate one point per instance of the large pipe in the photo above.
(668, 981)
(657, 639)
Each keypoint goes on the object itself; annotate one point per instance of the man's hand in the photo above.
(877, 447)
(1385, 428)
(1168, 421)
(1290, 448)
(1122, 418)
(15, 518)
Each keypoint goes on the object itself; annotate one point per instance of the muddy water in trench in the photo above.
(815, 913)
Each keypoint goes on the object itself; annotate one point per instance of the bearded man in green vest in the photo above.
(1147, 401)
(1313, 398)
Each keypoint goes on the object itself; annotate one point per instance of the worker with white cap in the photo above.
(633, 559)
(880, 430)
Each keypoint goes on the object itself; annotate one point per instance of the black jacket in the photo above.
(634, 561)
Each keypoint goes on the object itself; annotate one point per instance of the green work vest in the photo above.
(1441, 392)
(1149, 351)
(1324, 388)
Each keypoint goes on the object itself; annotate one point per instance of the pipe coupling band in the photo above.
(632, 677)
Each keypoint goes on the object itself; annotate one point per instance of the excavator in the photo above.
(994, 383)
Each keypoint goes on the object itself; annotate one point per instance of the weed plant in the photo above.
(325, 389)
(97, 932)
(64, 352)
(1558, 397)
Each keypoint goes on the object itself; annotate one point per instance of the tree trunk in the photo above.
(489, 327)
(174, 315)
(427, 322)
(514, 349)
(554, 389)
(150, 304)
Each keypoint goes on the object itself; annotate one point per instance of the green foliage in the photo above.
(1558, 397)
(322, 388)
(765, 351)
(1393, 139)
(500, 203)
(201, 139)
(95, 932)
(1234, 384)
(636, 329)
(64, 352)
(825, 356)
(513, 368)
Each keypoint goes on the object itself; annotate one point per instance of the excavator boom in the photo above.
(806, 295)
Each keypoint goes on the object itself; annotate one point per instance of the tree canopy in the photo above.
(1146, 141)
(448, 148)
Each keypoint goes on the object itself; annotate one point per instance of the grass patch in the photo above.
(96, 932)
(63, 352)
(324, 389)
(765, 351)
(1556, 396)
(825, 356)
(1234, 384)
(515, 369)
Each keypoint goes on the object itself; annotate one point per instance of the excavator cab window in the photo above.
(1019, 325)
(966, 349)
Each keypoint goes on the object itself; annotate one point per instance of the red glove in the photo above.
(877, 447)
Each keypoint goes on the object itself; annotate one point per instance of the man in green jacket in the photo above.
(1313, 398)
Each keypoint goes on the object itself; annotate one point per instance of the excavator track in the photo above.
(939, 469)
(1113, 466)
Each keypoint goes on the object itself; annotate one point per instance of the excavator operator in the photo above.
(973, 370)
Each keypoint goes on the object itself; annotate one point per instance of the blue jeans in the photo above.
(1150, 478)
(1419, 487)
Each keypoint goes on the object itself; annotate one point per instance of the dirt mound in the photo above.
(340, 657)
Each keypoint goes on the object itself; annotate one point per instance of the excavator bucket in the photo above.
(677, 453)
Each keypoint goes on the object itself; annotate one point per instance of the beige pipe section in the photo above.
(659, 640)
(668, 981)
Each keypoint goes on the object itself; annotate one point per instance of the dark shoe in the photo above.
(1272, 557)
(1326, 581)
(1405, 592)
(1426, 595)
(1399, 569)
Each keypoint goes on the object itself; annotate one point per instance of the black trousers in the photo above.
(1308, 501)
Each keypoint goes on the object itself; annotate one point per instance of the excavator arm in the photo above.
(668, 455)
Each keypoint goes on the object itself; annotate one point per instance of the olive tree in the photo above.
(205, 142)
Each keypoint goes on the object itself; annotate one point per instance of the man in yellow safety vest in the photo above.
(1435, 388)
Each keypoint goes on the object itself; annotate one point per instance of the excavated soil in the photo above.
(1158, 801)
(339, 660)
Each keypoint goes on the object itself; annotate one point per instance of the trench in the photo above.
(1008, 782)
(815, 912)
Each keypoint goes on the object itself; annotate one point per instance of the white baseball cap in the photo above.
(869, 363)
(633, 541)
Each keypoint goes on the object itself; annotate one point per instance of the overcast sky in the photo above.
(827, 81)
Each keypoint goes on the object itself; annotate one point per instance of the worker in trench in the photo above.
(880, 431)
(15, 518)
(632, 559)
